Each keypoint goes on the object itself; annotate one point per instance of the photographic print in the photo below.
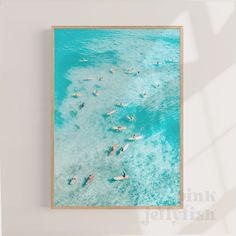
(117, 117)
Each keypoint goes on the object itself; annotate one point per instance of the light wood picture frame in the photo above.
(89, 77)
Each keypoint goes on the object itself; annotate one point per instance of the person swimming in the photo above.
(101, 78)
(81, 105)
(130, 70)
(131, 118)
(77, 127)
(144, 95)
(156, 85)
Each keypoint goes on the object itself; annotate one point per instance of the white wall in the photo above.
(209, 116)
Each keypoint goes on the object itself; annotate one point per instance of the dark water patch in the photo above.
(111, 180)
(171, 130)
(76, 127)
(96, 86)
(73, 113)
(84, 182)
(58, 120)
(147, 121)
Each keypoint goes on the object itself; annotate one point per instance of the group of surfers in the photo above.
(113, 149)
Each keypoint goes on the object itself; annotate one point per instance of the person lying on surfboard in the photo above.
(131, 118)
(123, 149)
(90, 179)
(112, 70)
(119, 128)
(76, 95)
(135, 137)
(113, 149)
(121, 104)
(73, 180)
(111, 112)
(96, 93)
(122, 177)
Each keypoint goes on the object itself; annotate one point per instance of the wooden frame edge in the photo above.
(181, 206)
(181, 117)
(116, 27)
(52, 123)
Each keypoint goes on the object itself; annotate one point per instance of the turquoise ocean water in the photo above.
(83, 134)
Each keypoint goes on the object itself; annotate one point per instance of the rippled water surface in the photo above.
(144, 61)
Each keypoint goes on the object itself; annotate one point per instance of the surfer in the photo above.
(123, 149)
(156, 85)
(144, 94)
(96, 93)
(135, 137)
(90, 178)
(113, 149)
(81, 105)
(119, 128)
(112, 70)
(121, 104)
(122, 177)
(73, 180)
(111, 112)
(131, 118)
(76, 95)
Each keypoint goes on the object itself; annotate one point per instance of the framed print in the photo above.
(117, 110)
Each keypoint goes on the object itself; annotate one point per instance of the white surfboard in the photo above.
(121, 177)
(119, 128)
(131, 118)
(76, 95)
(124, 148)
(121, 104)
(135, 138)
(111, 112)
(96, 93)
(83, 60)
(74, 180)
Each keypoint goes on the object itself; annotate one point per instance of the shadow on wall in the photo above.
(215, 56)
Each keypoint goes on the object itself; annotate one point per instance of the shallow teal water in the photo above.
(83, 136)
